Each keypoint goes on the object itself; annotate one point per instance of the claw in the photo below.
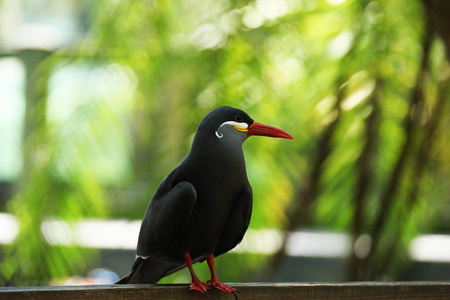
(200, 286)
(235, 296)
(215, 283)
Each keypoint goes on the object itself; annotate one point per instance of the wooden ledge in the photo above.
(260, 291)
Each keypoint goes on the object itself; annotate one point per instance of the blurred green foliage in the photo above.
(359, 84)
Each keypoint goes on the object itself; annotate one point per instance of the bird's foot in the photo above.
(215, 283)
(200, 286)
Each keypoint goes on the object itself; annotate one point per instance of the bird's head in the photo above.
(228, 123)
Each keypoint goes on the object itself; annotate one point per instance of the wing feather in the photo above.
(169, 210)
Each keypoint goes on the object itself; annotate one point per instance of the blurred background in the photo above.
(99, 100)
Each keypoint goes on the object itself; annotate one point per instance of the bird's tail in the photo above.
(148, 270)
(135, 272)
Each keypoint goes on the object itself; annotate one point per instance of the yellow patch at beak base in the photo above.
(241, 129)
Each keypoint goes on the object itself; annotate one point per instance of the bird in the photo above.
(202, 208)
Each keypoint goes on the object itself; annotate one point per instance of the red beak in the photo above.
(265, 130)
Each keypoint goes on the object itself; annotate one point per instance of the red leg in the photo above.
(214, 282)
(196, 283)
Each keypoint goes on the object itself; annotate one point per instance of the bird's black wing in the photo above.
(168, 211)
(238, 222)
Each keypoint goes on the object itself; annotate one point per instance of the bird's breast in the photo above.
(217, 185)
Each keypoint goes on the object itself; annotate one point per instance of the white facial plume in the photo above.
(242, 127)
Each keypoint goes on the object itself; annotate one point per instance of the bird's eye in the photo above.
(239, 118)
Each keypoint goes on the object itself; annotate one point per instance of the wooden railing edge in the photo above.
(316, 291)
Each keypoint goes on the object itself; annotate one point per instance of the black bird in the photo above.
(202, 209)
